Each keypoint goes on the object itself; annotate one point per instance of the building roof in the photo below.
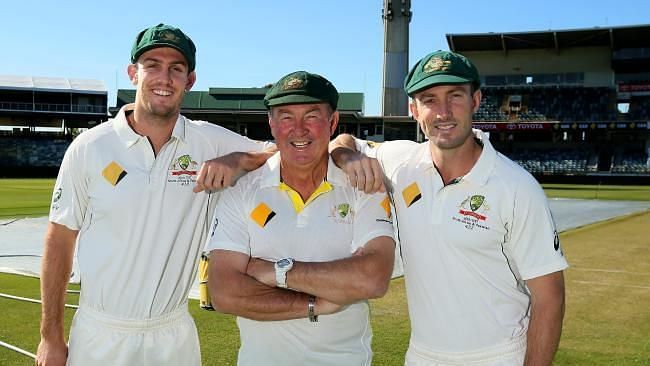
(238, 99)
(635, 36)
(36, 83)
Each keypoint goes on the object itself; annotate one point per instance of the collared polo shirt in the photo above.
(141, 228)
(468, 247)
(259, 218)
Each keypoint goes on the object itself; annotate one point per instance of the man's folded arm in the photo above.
(234, 292)
(365, 275)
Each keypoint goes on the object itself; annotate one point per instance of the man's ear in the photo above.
(270, 115)
(132, 71)
(414, 109)
(334, 122)
(191, 79)
(476, 99)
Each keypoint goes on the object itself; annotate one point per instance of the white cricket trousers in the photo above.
(97, 339)
(510, 354)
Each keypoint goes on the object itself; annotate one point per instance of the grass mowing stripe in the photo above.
(604, 325)
(610, 284)
(25, 197)
(615, 332)
(31, 197)
(603, 192)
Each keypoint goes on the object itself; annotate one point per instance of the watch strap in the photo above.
(281, 271)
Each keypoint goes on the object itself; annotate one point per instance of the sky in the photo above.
(251, 43)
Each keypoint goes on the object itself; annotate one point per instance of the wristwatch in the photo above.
(282, 266)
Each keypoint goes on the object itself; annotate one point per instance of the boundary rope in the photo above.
(16, 349)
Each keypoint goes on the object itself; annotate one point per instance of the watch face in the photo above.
(283, 262)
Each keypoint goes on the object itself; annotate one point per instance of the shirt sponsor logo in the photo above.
(385, 204)
(373, 144)
(183, 170)
(214, 226)
(113, 173)
(262, 214)
(556, 243)
(411, 194)
(56, 197)
(473, 212)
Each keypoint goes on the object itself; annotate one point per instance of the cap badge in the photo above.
(436, 64)
(169, 36)
(293, 83)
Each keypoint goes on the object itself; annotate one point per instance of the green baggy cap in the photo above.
(163, 35)
(441, 67)
(301, 87)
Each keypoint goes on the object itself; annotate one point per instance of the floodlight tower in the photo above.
(397, 16)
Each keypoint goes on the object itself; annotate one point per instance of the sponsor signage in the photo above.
(630, 88)
(496, 126)
(513, 126)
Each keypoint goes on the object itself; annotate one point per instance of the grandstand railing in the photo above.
(52, 107)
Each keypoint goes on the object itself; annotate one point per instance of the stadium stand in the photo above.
(567, 103)
(28, 104)
(562, 103)
(634, 162)
(33, 151)
(556, 103)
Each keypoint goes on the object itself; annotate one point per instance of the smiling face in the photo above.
(302, 133)
(162, 77)
(444, 113)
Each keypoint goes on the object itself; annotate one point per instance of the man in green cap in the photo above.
(126, 196)
(482, 260)
(296, 251)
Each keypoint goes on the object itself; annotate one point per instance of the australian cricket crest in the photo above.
(183, 170)
(293, 83)
(472, 212)
(476, 201)
(169, 36)
(342, 213)
(436, 64)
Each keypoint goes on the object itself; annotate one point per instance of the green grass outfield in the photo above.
(607, 318)
(31, 197)
(600, 192)
(25, 197)
(608, 290)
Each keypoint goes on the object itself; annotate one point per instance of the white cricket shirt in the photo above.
(468, 247)
(259, 219)
(141, 228)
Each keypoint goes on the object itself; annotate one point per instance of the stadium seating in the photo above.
(489, 108)
(566, 161)
(552, 161)
(639, 108)
(631, 163)
(32, 151)
(565, 104)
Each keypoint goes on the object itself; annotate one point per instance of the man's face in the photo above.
(302, 132)
(444, 113)
(161, 76)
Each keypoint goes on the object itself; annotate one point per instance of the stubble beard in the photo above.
(454, 142)
(161, 113)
